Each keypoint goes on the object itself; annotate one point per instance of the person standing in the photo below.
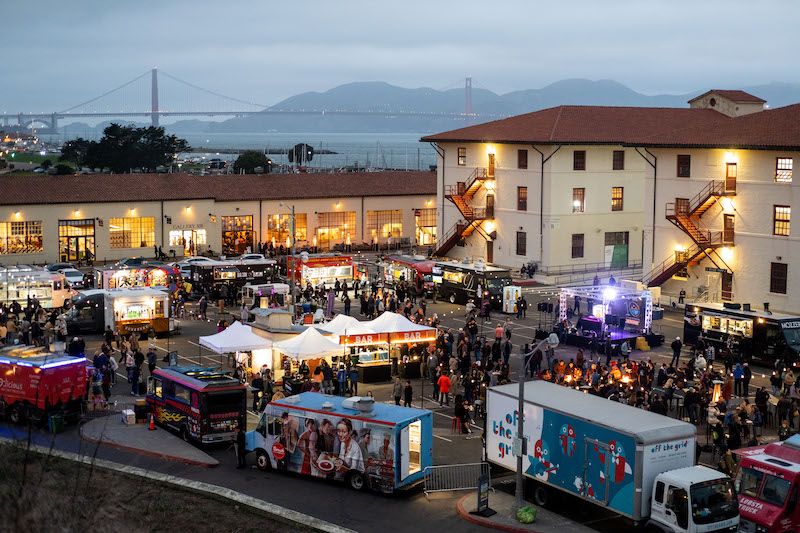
(151, 360)
(738, 373)
(241, 453)
(577, 308)
(397, 391)
(444, 388)
(676, 346)
(747, 375)
(347, 303)
(408, 394)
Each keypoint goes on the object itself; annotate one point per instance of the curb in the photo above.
(149, 453)
(282, 514)
(486, 522)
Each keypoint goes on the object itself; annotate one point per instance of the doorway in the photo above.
(76, 240)
(490, 169)
(192, 241)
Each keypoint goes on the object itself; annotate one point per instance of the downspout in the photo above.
(543, 160)
(260, 223)
(441, 152)
(653, 164)
(362, 219)
(162, 223)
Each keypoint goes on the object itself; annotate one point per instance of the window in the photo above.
(386, 224)
(238, 235)
(579, 160)
(777, 277)
(21, 237)
(578, 200)
(678, 503)
(462, 156)
(781, 220)
(660, 492)
(614, 238)
(279, 227)
(335, 227)
(577, 245)
(522, 238)
(616, 198)
(132, 232)
(522, 159)
(522, 198)
(182, 393)
(783, 170)
(425, 222)
(684, 166)
(618, 160)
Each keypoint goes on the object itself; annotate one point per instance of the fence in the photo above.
(444, 478)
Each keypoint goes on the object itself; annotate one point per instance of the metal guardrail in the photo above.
(446, 478)
(580, 268)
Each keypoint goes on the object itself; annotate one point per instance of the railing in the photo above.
(584, 268)
(669, 262)
(445, 478)
(461, 187)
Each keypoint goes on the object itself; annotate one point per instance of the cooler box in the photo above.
(128, 417)
(55, 423)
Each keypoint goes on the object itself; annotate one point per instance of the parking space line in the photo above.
(440, 437)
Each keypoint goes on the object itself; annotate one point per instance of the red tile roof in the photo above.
(92, 188)
(583, 125)
(734, 96)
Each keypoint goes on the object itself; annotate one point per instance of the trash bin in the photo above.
(140, 410)
(55, 423)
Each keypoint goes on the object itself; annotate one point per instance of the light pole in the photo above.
(294, 265)
(551, 342)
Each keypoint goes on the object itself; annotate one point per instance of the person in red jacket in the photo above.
(444, 388)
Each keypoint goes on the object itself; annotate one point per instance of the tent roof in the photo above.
(390, 322)
(340, 323)
(308, 345)
(237, 337)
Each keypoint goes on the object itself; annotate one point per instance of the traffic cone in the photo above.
(152, 423)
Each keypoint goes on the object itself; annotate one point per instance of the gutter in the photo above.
(653, 164)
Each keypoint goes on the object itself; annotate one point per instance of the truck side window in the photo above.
(274, 426)
(660, 492)
(158, 388)
(678, 503)
(262, 426)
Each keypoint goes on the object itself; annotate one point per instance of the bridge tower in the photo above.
(154, 97)
(468, 96)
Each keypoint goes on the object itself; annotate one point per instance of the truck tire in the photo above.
(185, 435)
(541, 496)
(15, 415)
(452, 298)
(262, 461)
(356, 481)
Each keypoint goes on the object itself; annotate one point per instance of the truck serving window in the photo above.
(792, 336)
(224, 402)
(713, 501)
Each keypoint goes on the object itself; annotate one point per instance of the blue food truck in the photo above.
(355, 440)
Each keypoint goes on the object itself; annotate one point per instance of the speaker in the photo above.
(549, 308)
(541, 306)
(746, 307)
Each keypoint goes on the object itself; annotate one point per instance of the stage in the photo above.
(615, 337)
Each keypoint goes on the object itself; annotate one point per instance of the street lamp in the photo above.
(294, 265)
(551, 342)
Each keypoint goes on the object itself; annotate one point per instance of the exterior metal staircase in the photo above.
(461, 194)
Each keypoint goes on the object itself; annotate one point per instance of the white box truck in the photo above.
(636, 463)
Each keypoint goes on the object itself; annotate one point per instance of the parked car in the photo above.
(185, 265)
(55, 267)
(74, 278)
(132, 262)
(249, 257)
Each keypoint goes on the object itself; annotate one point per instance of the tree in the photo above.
(75, 151)
(46, 164)
(63, 170)
(249, 160)
(123, 148)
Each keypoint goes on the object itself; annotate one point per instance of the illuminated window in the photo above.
(425, 222)
(385, 224)
(684, 166)
(617, 198)
(134, 232)
(453, 277)
(778, 277)
(618, 160)
(182, 394)
(522, 198)
(522, 159)
(335, 228)
(462, 156)
(237, 234)
(21, 237)
(577, 245)
(578, 200)
(579, 160)
(783, 169)
(279, 227)
(781, 220)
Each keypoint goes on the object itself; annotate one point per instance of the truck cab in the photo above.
(768, 484)
(693, 499)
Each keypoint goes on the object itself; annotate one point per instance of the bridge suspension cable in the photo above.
(87, 102)
(219, 95)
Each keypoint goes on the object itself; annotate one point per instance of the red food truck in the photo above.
(768, 484)
(320, 268)
(201, 404)
(35, 384)
(411, 268)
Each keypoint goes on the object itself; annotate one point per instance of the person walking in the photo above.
(676, 346)
(408, 394)
(397, 391)
(444, 388)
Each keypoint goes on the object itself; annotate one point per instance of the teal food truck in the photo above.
(355, 440)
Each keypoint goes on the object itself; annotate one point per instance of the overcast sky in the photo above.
(59, 53)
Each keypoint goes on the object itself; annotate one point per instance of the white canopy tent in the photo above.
(340, 323)
(310, 344)
(394, 323)
(237, 337)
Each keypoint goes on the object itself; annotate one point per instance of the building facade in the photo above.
(45, 219)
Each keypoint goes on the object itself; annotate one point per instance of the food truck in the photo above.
(35, 384)
(234, 273)
(459, 282)
(320, 268)
(141, 276)
(635, 463)
(140, 310)
(18, 283)
(767, 483)
(358, 441)
(201, 404)
(259, 295)
(414, 269)
(755, 334)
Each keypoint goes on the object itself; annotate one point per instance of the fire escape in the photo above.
(686, 215)
(462, 194)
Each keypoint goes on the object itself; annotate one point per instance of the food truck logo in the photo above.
(166, 416)
(634, 309)
(503, 429)
(790, 325)
(10, 385)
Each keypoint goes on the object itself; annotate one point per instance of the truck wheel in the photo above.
(452, 298)
(262, 461)
(185, 435)
(540, 496)
(15, 415)
(356, 480)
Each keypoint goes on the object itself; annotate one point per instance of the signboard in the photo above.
(483, 497)
(172, 357)
(790, 325)
(714, 269)
(363, 340)
(414, 336)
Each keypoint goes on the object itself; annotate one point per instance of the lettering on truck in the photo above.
(10, 385)
(750, 506)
